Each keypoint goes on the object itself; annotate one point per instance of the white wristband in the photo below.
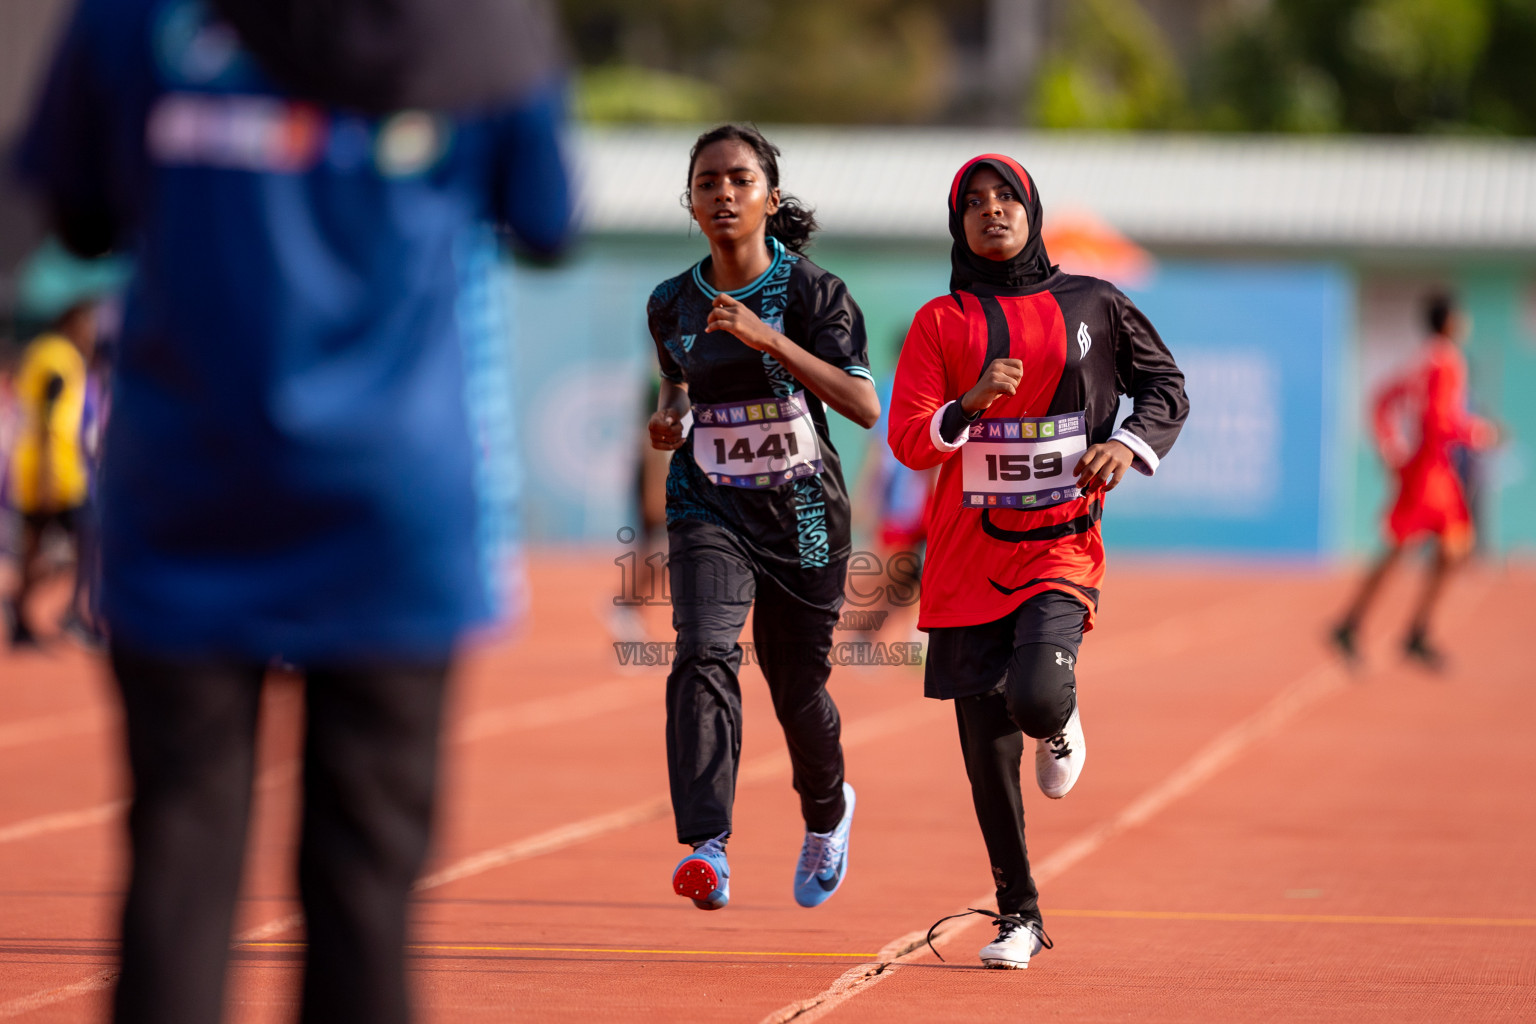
(1146, 459)
(938, 438)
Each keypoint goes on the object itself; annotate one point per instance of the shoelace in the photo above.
(821, 853)
(1059, 747)
(715, 845)
(1003, 921)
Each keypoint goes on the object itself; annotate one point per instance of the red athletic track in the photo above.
(1256, 837)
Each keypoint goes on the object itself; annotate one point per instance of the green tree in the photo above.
(1254, 65)
(882, 61)
(629, 94)
(1109, 67)
(646, 63)
(1373, 66)
(1503, 89)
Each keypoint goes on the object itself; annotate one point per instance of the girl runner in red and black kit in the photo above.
(1012, 382)
(754, 341)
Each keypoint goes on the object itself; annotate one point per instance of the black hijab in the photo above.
(972, 273)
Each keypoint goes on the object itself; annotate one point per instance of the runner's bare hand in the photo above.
(666, 428)
(1103, 464)
(1002, 378)
(727, 314)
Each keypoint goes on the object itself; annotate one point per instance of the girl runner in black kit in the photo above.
(754, 341)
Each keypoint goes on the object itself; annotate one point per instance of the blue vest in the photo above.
(289, 468)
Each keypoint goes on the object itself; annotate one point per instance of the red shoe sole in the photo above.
(695, 879)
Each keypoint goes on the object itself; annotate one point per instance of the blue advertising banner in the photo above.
(1254, 472)
(1255, 468)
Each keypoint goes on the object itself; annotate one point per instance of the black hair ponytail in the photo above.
(793, 223)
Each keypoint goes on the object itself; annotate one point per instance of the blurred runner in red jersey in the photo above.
(1419, 419)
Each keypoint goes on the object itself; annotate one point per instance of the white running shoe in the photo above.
(1016, 942)
(1059, 758)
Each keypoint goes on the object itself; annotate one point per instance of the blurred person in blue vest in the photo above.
(289, 471)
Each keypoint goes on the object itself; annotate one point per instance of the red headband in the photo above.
(954, 188)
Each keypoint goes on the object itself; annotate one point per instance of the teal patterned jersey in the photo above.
(801, 523)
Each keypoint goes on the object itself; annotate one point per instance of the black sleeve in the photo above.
(835, 326)
(660, 319)
(1145, 370)
(955, 420)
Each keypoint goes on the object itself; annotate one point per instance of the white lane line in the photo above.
(546, 842)
(271, 929)
(1202, 627)
(570, 707)
(1296, 697)
(51, 727)
(481, 725)
(62, 821)
(1153, 641)
(535, 714)
(759, 769)
(490, 722)
(47, 997)
(765, 767)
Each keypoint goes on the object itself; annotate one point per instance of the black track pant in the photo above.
(370, 765)
(714, 583)
(1035, 700)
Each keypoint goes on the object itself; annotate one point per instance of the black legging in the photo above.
(370, 770)
(714, 584)
(1036, 699)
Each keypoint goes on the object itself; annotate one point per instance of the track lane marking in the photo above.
(52, 727)
(549, 711)
(534, 714)
(464, 948)
(758, 769)
(62, 821)
(761, 768)
(1308, 689)
(1157, 640)
(1260, 918)
(1153, 641)
(48, 997)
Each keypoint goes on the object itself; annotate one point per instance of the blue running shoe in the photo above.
(704, 876)
(824, 859)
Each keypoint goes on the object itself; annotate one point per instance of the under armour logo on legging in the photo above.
(1064, 659)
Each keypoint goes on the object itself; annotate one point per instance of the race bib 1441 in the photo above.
(761, 443)
(1023, 463)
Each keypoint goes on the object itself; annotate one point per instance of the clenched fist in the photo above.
(727, 314)
(666, 427)
(1002, 378)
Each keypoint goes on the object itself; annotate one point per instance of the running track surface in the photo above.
(1257, 836)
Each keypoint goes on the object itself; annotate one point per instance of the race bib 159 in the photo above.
(1023, 463)
(761, 443)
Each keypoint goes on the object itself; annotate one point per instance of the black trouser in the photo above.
(1036, 649)
(370, 766)
(714, 583)
(1036, 701)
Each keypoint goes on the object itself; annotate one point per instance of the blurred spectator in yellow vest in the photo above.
(48, 475)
